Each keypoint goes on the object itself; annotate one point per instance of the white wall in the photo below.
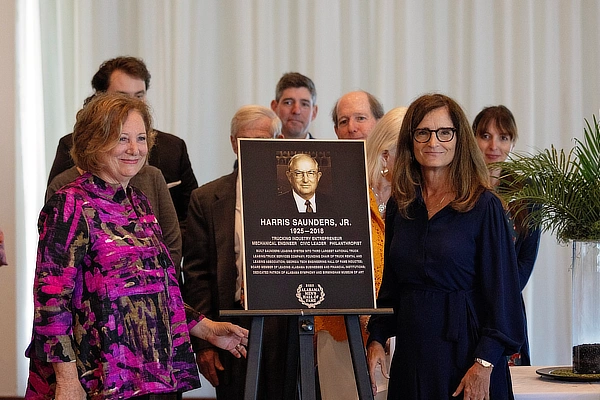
(9, 351)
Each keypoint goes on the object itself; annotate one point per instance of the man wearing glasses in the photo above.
(212, 269)
(304, 175)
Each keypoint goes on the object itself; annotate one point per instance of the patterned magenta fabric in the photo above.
(2, 251)
(106, 296)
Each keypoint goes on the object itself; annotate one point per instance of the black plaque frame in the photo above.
(297, 260)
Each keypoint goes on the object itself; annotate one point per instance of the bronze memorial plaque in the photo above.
(306, 232)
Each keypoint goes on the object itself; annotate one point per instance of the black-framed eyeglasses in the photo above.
(423, 135)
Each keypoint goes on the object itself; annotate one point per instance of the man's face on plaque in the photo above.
(304, 175)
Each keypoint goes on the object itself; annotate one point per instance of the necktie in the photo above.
(309, 208)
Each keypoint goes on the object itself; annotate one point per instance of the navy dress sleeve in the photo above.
(501, 328)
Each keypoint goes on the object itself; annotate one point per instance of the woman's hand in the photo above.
(68, 386)
(376, 356)
(475, 383)
(69, 391)
(224, 335)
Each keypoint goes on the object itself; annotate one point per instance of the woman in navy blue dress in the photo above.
(450, 269)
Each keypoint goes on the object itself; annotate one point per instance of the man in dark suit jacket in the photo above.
(212, 270)
(287, 206)
(303, 174)
(130, 76)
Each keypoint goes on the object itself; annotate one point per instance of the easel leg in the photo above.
(306, 332)
(254, 356)
(290, 389)
(359, 358)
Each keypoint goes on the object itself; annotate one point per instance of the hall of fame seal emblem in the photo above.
(310, 294)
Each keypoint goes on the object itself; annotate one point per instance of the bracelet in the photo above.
(483, 363)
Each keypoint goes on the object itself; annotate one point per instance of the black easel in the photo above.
(302, 385)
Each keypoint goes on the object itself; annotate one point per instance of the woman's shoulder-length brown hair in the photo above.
(468, 172)
(98, 127)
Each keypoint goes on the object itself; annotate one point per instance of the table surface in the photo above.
(528, 385)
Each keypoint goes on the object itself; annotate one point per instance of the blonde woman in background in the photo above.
(381, 154)
(336, 376)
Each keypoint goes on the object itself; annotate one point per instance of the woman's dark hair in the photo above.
(132, 66)
(500, 116)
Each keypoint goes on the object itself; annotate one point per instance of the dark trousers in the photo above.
(273, 363)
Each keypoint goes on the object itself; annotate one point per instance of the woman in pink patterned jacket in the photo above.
(109, 320)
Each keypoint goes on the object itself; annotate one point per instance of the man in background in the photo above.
(129, 75)
(355, 114)
(212, 269)
(296, 105)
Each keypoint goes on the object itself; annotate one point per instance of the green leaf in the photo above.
(563, 186)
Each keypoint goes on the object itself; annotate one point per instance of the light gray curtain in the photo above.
(209, 57)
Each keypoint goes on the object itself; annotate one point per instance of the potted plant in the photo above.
(560, 192)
